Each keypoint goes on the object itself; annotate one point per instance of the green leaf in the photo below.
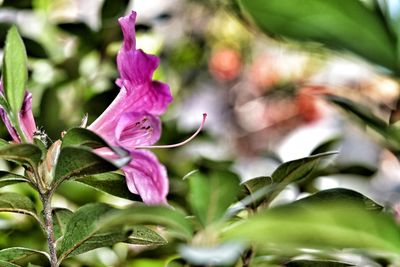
(7, 264)
(173, 220)
(325, 226)
(294, 171)
(14, 202)
(61, 218)
(210, 196)
(15, 73)
(328, 145)
(18, 254)
(334, 23)
(8, 178)
(21, 153)
(83, 233)
(253, 185)
(316, 263)
(111, 183)
(79, 161)
(341, 195)
(113, 9)
(142, 235)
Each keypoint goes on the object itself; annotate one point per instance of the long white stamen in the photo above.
(181, 143)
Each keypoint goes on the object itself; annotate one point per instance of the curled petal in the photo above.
(128, 29)
(135, 129)
(146, 176)
(136, 66)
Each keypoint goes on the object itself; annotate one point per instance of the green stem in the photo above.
(48, 221)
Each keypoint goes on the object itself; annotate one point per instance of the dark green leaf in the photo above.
(211, 195)
(111, 183)
(335, 23)
(82, 233)
(84, 137)
(341, 195)
(294, 171)
(61, 218)
(142, 235)
(21, 153)
(328, 225)
(256, 183)
(174, 221)
(80, 161)
(17, 254)
(316, 263)
(15, 73)
(7, 178)
(326, 146)
(113, 9)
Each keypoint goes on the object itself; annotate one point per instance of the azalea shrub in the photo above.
(210, 216)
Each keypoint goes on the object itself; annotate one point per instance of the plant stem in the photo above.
(48, 220)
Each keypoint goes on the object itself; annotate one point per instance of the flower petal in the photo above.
(137, 129)
(136, 66)
(128, 29)
(26, 117)
(146, 176)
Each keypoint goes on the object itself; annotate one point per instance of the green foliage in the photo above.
(14, 202)
(17, 254)
(80, 161)
(331, 22)
(15, 73)
(7, 178)
(333, 223)
(61, 218)
(210, 195)
(111, 183)
(22, 153)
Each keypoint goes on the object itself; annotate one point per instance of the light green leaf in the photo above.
(211, 195)
(78, 162)
(316, 263)
(61, 218)
(335, 224)
(142, 235)
(8, 178)
(7, 264)
(14, 202)
(334, 23)
(173, 220)
(111, 183)
(21, 153)
(18, 254)
(15, 73)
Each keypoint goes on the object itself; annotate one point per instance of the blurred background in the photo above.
(261, 96)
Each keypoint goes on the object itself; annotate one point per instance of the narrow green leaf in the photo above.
(21, 153)
(174, 221)
(8, 178)
(78, 162)
(18, 254)
(294, 171)
(2, 141)
(256, 185)
(211, 195)
(61, 218)
(334, 23)
(111, 183)
(328, 225)
(15, 73)
(142, 235)
(328, 145)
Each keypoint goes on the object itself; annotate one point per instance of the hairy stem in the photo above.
(48, 220)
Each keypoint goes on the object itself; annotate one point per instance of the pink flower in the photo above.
(26, 120)
(132, 121)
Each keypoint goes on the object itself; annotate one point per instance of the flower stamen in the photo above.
(181, 143)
